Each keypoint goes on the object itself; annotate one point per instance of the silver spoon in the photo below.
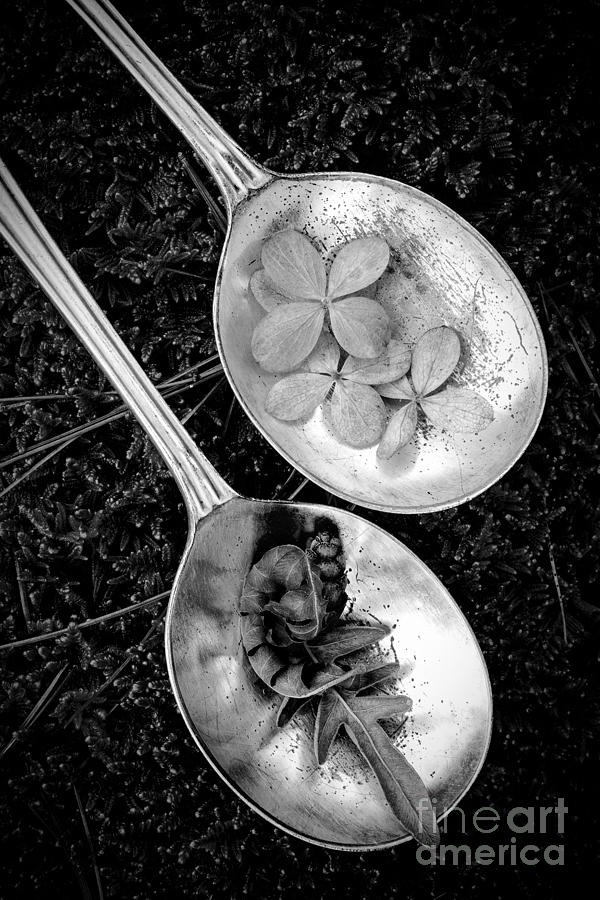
(231, 718)
(443, 272)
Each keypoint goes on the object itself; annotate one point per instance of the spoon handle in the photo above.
(201, 485)
(233, 170)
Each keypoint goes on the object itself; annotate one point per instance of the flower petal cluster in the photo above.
(301, 299)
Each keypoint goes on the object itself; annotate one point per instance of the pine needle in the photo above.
(229, 415)
(194, 410)
(79, 430)
(22, 597)
(558, 591)
(41, 705)
(115, 674)
(38, 465)
(206, 196)
(297, 490)
(90, 844)
(115, 614)
(81, 880)
(168, 388)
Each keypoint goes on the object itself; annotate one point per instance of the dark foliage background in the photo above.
(489, 109)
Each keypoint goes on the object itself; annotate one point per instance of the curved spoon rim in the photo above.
(321, 509)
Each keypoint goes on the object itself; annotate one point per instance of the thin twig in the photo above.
(38, 465)
(33, 398)
(115, 674)
(117, 613)
(281, 489)
(87, 894)
(22, 597)
(194, 410)
(206, 196)
(229, 415)
(168, 388)
(80, 430)
(297, 490)
(189, 274)
(558, 590)
(88, 836)
(576, 345)
(42, 703)
(203, 362)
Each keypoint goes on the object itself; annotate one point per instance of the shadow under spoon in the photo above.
(231, 717)
(442, 271)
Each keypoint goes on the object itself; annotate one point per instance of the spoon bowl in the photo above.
(442, 272)
(231, 716)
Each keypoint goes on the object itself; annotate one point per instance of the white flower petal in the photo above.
(294, 266)
(357, 414)
(297, 396)
(360, 325)
(458, 409)
(265, 292)
(434, 358)
(284, 338)
(399, 431)
(358, 264)
(399, 390)
(390, 365)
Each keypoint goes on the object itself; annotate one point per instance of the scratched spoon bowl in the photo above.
(232, 717)
(442, 271)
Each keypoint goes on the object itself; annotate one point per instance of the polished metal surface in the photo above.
(231, 717)
(442, 272)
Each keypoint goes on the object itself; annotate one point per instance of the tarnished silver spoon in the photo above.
(231, 717)
(442, 272)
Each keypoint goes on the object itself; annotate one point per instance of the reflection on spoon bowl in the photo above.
(232, 715)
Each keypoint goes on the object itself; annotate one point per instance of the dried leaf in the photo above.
(458, 410)
(294, 266)
(360, 325)
(283, 566)
(325, 358)
(398, 390)
(303, 608)
(357, 414)
(298, 680)
(399, 431)
(363, 681)
(297, 396)
(401, 785)
(290, 679)
(278, 636)
(434, 358)
(284, 338)
(346, 639)
(265, 292)
(357, 264)
(390, 365)
(288, 709)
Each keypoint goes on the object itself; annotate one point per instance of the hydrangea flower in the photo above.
(356, 412)
(301, 299)
(455, 409)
